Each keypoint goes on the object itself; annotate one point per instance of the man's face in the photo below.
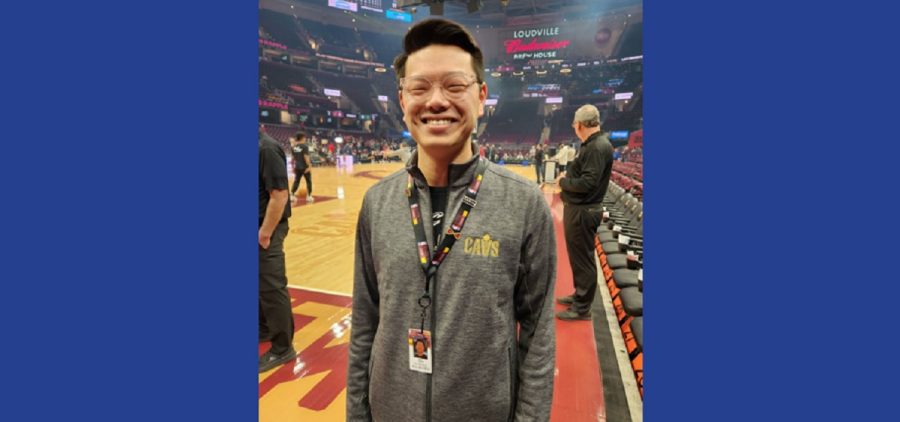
(435, 120)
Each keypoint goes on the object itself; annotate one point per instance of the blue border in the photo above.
(128, 264)
(130, 211)
(769, 212)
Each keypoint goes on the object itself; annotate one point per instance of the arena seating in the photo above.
(335, 40)
(619, 244)
(282, 76)
(358, 90)
(282, 29)
(561, 124)
(515, 122)
(385, 46)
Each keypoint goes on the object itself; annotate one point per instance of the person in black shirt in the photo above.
(539, 162)
(302, 165)
(275, 320)
(583, 187)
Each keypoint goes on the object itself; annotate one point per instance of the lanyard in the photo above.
(428, 262)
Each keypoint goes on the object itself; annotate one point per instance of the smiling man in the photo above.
(486, 307)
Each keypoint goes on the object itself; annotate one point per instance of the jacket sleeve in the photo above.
(364, 323)
(589, 179)
(534, 312)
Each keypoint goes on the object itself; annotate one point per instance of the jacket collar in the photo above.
(593, 136)
(459, 174)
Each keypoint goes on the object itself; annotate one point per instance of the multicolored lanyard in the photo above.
(428, 262)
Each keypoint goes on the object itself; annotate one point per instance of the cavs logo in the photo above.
(484, 246)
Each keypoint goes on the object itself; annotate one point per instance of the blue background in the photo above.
(129, 211)
(770, 212)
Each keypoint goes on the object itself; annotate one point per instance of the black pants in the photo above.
(298, 173)
(580, 223)
(275, 319)
(539, 169)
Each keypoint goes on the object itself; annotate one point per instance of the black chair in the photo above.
(625, 278)
(637, 329)
(632, 302)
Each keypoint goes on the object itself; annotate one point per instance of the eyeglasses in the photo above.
(453, 86)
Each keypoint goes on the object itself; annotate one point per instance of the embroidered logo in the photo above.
(484, 246)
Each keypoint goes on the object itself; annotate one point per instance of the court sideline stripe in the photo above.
(319, 290)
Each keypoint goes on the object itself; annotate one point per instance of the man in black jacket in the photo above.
(583, 187)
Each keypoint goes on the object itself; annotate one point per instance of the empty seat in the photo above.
(637, 329)
(632, 301)
(625, 278)
(611, 247)
(616, 260)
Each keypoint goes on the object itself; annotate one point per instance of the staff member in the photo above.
(583, 187)
(276, 322)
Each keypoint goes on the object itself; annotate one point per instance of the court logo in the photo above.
(483, 246)
(310, 389)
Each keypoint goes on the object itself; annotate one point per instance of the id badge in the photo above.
(420, 350)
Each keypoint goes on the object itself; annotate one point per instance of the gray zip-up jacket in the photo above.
(499, 275)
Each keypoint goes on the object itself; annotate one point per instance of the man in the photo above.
(539, 162)
(485, 303)
(562, 158)
(302, 165)
(583, 187)
(275, 320)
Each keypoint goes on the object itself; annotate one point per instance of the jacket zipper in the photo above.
(434, 288)
(512, 385)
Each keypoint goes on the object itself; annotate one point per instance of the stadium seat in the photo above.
(632, 301)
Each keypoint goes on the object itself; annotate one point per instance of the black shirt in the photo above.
(438, 206)
(587, 177)
(538, 156)
(272, 175)
(299, 152)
